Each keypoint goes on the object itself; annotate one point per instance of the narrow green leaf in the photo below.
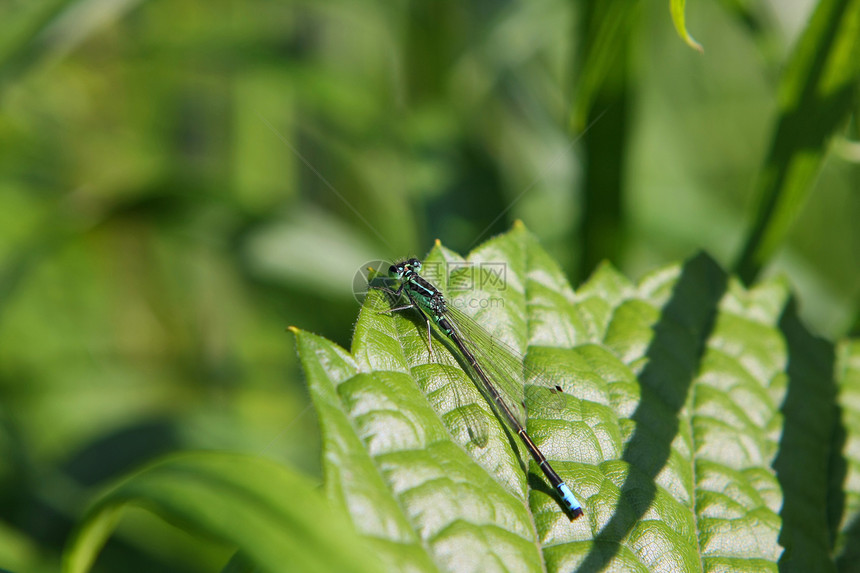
(602, 53)
(675, 390)
(601, 117)
(676, 7)
(275, 516)
(816, 95)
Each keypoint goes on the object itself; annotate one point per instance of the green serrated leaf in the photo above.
(274, 515)
(810, 417)
(845, 503)
(676, 389)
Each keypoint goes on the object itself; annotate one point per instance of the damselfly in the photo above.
(495, 368)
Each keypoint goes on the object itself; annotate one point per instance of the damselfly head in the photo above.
(404, 268)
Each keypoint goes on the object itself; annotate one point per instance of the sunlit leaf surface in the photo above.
(677, 392)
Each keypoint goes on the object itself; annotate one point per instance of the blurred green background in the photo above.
(180, 181)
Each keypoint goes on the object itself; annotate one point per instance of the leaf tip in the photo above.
(694, 44)
(676, 8)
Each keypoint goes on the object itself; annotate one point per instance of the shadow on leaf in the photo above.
(673, 359)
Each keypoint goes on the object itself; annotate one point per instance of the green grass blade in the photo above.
(600, 116)
(602, 52)
(276, 517)
(816, 94)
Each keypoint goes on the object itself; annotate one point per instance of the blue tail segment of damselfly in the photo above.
(497, 374)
